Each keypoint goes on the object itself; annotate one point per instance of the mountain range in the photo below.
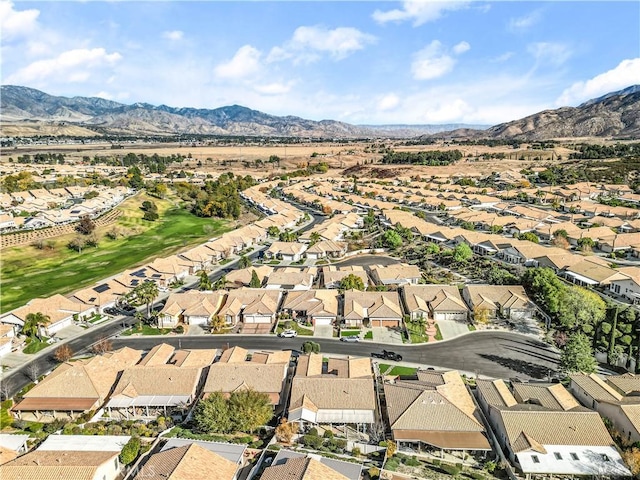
(616, 114)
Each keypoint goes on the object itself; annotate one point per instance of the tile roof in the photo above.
(301, 469)
(333, 392)
(55, 465)
(317, 302)
(507, 296)
(190, 462)
(496, 393)
(626, 384)
(358, 305)
(441, 298)
(161, 380)
(595, 387)
(229, 377)
(552, 396)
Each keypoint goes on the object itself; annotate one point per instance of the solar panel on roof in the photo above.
(101, 288)
(134, 282)
(139, 273)
(92, 299)
(156, 275)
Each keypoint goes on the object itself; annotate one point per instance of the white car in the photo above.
(288, 334)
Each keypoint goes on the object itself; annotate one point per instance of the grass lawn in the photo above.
(396, 370)
(5, 416)
(349, 333)
(147, 330)
(438, 333)
(294, 326)
(417, 333)
(471, 327)
(368, 335)
(28, 272)
(35, 346)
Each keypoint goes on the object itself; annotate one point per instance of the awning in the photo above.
(149, 401)
(445, 440)
(58, 404)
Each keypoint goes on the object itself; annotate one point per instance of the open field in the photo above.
(28, 272)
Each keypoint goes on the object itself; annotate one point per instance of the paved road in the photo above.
(492, 354)
(367, 261)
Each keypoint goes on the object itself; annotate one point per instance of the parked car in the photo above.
(350, 338)
(288, 334)
(388, 355)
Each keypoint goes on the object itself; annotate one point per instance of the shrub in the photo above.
(356, 452)
(312, 441)
(412, 462)
(179, 329)
(313, 431)
(327, 434)
(374, 473)
(35, 427)
(451, 469)
(19, 424)
(130, 451)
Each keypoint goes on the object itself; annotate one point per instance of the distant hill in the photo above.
(615, 114)
(20, 104)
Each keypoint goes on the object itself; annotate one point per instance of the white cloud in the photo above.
(388, 102)
(307, 43)
(15, 23)
(434, 60)
(503, 58)
(173, 35)
(525, 22)
(245, 62)
(551, 53)
(418, 11)
(625, 74)
(276, 88)
(72, 66)
(461, 48)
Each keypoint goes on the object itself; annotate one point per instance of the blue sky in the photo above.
(360, 62)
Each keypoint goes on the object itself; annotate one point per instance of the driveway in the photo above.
(386, 335)
(195, 330)
(452, 329)
(323, 331)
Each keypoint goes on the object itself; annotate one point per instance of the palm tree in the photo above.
(245, 261)
(220, 283)
(33, 322)
(144, 293)
(217, 323)
(205, 281)
(314, 237)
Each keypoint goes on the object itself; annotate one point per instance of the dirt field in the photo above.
(241, 159)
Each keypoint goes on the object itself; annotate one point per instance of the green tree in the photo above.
(544, 287)
(579, 307)
(530, 236)
(314, 238)
(462, 253)
(586, 244)
(205, 281)
(577, 355)
(249, 410)
(432, 248)
(212, 414)
(391, 239)
(350, 282)
(86, 225)
(150, 216)
(221, 283)
(217, 323)
(130, 451)
(143, 294)
(255, 280)
(244, 261)
(273, 231)
(33, 322)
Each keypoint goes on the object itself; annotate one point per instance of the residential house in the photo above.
(549, 435)
(326, 249)
(627, 283)
(192, 307)
(434, 411)
(165, 354)
(292, 465)
(60, 310)
(287, 251)
(165, 271)
(103, 295)
(397, 274)
(439, 302)
(616, 397)
(92, 380)
(7, 334)
(242, 277)
(291, 278)
(375, 309)
(12, 445)
(506, 301)
(191, 461)
(234, 372)
(338, 392)
(591, 272)
(332, 275)
(251, 305)
(145, 392)
(320, 307)
(69, 465)
(617, 243)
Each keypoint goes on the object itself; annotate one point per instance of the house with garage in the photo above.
(251, 305)
(165, 354)
(548, 435)
(374, 309)
(286, 251)
(144, 392)
(590, 272)
(397, 274)
(615, 397)
(198, 258)
(92, 380)
(340, 391)
(233, 372)
(434, 412)
(318, 306)
(165, 271)
(192, 307)
(438, 302)
(60, 310)
(332, 275)
(63, 464)
(505, 301)
(105, 294)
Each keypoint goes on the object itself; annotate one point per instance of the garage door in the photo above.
(198, 320)
(322, 320)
